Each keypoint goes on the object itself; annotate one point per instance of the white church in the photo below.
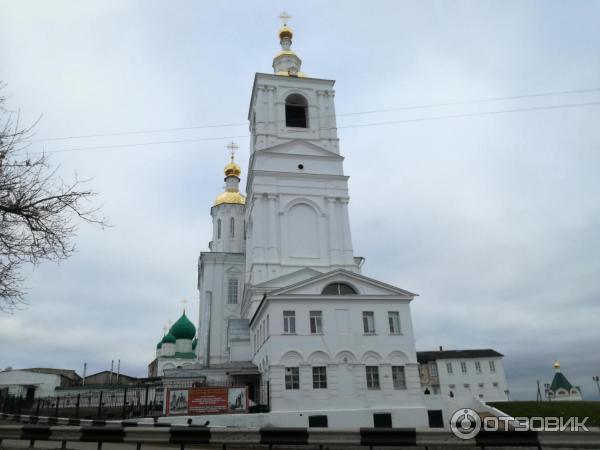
(284, 307)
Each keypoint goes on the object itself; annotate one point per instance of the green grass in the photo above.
(552, 409)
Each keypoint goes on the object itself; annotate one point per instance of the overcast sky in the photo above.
(493, 219)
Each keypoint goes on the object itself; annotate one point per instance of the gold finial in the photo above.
(232, 169)
(557, 365)
(285, 33)
(184, 302)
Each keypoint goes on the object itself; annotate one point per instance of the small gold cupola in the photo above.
(232, 182)
(286, 62)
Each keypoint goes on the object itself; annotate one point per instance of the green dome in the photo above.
(169, 338)
(159, 345)
(183, 328)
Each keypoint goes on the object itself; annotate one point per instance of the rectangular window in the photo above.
(319, 377)
(316, 322)
(372, 377)
(481, 385)
(433, 369)
(398, 377)
(289, 322)
(369, 322)
(292, 378)
(477, 367)
(232, 291)
(449, 368)
(467, 385)
(463, 367)
(492, 367)
(452, 386)
(394, 320)
(495, 384)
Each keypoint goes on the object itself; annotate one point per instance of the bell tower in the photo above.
(297, 193)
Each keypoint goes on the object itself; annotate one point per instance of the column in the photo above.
(273, 232)
(334, 247)
(347, 242)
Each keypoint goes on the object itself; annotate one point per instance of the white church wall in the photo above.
(183, 345)
(343, 348)
(217, 270)
(267, 111)
(231, 236)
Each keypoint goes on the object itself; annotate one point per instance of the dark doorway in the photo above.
(30, 394)
(436, 419)
(382, 420)
(317, 421)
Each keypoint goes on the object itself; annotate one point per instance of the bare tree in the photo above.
(39, 211)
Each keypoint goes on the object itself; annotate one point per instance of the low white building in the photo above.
(36, 382)
(463, 373)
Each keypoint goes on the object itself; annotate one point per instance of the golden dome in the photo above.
(285, 32)
(232, 197)
(557, 365)
(232, 170)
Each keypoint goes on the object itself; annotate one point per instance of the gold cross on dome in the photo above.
(284, 17)
(232, 149)
(184, 302)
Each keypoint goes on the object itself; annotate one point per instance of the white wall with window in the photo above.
(340, 351)
(465, 374)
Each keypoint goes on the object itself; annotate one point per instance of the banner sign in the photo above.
(207, 400)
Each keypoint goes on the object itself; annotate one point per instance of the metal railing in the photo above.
(110, 403)
(178, 437)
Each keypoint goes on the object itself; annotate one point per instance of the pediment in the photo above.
(363, 285)
(289, 279)
(301, 147)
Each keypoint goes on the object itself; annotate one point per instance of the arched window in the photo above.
(232, 227)
(296, 111)
(338, 289)
(219, 229)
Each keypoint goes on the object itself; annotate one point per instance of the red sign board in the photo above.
(207, 400)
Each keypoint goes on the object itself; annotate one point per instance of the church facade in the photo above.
(281, 291)
(284, 307)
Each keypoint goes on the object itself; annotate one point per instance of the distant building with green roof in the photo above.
(561, 389)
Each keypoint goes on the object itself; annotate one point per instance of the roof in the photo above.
(183, 328)
(185, 355)
(67, 373)
(560, 382)
(424, 357)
